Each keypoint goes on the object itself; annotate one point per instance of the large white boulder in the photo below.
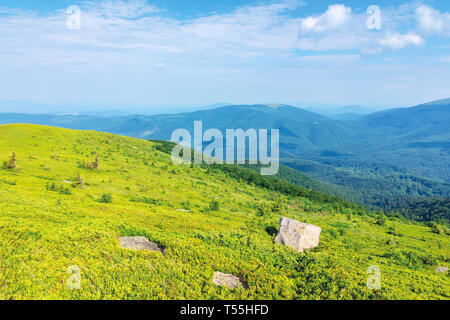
(297, 235)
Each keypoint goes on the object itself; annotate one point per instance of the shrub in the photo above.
(279, 206)
(381, 221)
(428, 259)
(186, 205)
(264, 210)
(411, 259)
(214, 205)
(148, 200)
(405, 258)
(57, 188)
(65, 191)
(391, 242)
(436, 228)
(106, 198)
(271, 230)
(51, 186)
(393, 231)
(333, 233)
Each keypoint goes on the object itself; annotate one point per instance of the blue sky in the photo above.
(162, 53)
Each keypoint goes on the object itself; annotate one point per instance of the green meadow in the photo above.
(70, 195)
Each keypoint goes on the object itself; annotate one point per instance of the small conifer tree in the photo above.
(80, 181)
(95, 163)
(12, 164)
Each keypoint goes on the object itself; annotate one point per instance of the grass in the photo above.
(136, 191)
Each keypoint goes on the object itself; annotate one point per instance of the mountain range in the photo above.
(381, 159)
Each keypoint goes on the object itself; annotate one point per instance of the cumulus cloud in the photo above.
(341, 28)
(335, 29)
(334, 17)
(431, 20)
(398, 41)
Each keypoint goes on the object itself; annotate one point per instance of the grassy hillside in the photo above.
(225, 224)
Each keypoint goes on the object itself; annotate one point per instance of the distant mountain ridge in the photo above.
(351, 109)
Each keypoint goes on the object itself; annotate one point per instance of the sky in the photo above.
(164, 53)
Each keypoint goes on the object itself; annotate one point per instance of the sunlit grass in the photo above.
(44, 230)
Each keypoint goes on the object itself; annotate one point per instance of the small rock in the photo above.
(442, 270)
(225, 279)
(67, 181)
(298, 235)
(139, 243)
(183, 210)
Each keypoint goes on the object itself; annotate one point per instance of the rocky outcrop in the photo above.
(139, 243)
(442, 270)
(297, 235)
(229, 280)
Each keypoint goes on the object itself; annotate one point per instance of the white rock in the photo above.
(229, 280)
(139, 243)
(442, 270)
(297, 235)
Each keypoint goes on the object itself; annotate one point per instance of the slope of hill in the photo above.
(426, 117)
(378, 160)
(206, 220)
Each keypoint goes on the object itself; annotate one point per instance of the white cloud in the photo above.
(332, 59)
(136, 33)
(120, 9)
(131, 31)
(397, 41)
(160, 66)
(341, 28)
(336, 29)
(399, 87)
(334, 17)
(431, 20)
(371, 50)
